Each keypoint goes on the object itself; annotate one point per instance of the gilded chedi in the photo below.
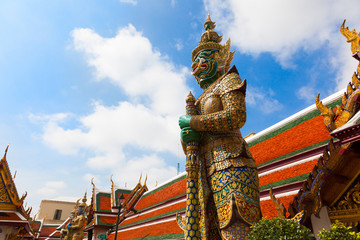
(228, 185)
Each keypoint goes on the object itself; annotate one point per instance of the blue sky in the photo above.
(94, 88)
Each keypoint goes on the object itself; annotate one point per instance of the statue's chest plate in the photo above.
(211, 104)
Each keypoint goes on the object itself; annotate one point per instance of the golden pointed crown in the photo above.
(210, 40)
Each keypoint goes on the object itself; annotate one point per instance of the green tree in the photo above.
(279, 229)
(338, 231)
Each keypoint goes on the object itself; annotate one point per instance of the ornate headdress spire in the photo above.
(210, 40)
(209, 24)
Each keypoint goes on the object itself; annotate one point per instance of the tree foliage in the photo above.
(338, 231)
(279, 229)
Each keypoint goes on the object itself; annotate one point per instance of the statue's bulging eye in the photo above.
(202, 60)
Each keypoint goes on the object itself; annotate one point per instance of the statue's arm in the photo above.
(79, 224)
(233, 115)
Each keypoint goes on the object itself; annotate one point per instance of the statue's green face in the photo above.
(204, 68)
(81, 210)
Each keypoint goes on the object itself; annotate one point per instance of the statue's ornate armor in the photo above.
(228, 181)
(75, 228)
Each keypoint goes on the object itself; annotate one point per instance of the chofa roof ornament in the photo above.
(353, 38)
(350, 104)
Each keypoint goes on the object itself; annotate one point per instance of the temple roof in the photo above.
(12, 211)
(9, 198)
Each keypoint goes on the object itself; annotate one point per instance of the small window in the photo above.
(57, 214)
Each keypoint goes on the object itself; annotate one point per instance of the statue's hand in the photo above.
(184, 121)
(188, 134)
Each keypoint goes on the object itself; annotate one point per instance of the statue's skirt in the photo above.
(236, 189)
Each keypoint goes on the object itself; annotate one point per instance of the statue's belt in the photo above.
(208, 145)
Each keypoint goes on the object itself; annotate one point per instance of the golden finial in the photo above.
(23, 197)
(209, 25)
(140, 177)
(4, 157)
(112, 182)
(112, 190)
(92, 183)
(28, 212)
(145, 180)
(190, 98)
(84, 198)
(156, 183)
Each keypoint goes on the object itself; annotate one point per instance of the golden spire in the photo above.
(140, 178)
(112, 191)
(84, 198)
(209, 25)
(145, 180)
(4, 157)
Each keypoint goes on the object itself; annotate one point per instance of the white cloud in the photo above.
(151, 165)
(263, 100)
(178, 44)
(345, 64)
(58, 117)
(129, 61)
(133, 2)
(283, 27)
(147, 121)
(51, 188)
(306, 93)
(88, 177)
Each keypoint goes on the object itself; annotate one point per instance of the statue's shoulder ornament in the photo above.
(230, 81)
